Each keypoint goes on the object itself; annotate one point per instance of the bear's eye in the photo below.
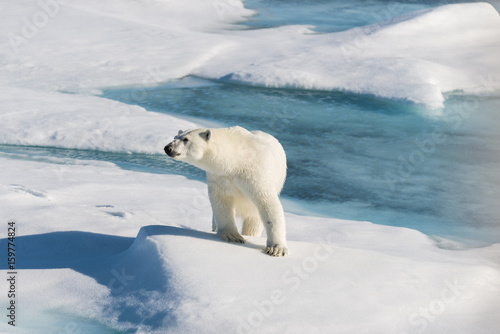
(185, 140)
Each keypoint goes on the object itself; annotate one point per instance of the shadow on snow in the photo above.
(139, 281)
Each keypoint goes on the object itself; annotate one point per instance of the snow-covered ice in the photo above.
(85, 46)
(447, 49)
(101, 248)
(113, 247)
(55, 119)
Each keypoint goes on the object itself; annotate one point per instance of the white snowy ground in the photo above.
(100, 246)
(131, 250)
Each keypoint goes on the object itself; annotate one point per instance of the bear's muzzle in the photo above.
(169, 149)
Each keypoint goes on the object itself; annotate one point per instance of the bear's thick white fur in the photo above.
(246, 171)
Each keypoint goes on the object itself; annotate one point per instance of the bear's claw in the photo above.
(276, 250)
(232, 238)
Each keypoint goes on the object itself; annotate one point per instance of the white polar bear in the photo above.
(246, 171)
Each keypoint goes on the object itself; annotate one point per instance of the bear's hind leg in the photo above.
(252, 226)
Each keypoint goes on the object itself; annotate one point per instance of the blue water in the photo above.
(349, 156)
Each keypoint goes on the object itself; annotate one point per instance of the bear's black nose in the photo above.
(168, 149)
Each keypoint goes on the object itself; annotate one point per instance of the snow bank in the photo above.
(85, 46)
(81, 46)
(84, 122)
(416, 57)
(102, 250)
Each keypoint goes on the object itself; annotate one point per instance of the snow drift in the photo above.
(416, 57)
(125, 262)
(55, 119)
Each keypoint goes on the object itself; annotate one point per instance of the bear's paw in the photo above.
(232, 237)
(277, 250)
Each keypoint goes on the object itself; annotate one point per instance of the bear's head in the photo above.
(189, 146)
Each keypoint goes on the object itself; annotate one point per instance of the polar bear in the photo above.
(246, 171)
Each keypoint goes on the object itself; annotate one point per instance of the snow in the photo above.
(83, 122)
(103, 248)
(83, 46)
(86, 46)
(415, 57)
(111, 246)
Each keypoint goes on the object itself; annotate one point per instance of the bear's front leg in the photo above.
(214, 224)
(273, 217)
(223, 210)
(226, 223)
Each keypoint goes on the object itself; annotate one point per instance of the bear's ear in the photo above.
(180, 131)
(206, 135)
